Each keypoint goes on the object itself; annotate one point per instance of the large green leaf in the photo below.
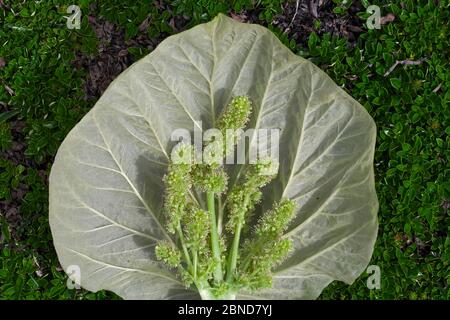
(106, 182)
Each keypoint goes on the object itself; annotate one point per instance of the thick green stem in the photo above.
(214, 237)
(232, 259)
(208, 294)
(220, 216)
(183, 245)
(194, 253)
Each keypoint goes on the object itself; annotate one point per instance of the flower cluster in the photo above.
(267, 248)
(178, 181)
(196, 205)
(169, 254)
(235, 115)
(210, 178)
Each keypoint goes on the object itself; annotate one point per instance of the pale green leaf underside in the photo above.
(106, 188)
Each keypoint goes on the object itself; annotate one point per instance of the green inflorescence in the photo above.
(221, 261)
(235, 115)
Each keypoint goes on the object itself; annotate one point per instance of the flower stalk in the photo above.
(214, 238)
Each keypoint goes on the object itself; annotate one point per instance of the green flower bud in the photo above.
(196, 227)
(186, 277)
(213, 154)
(261, 173)
(275, 221)
(267, 249)
(168, 254)
(178, 180)
(235, 115)
(182, 153)
(210, 179)
(280, 251)
(243, 198)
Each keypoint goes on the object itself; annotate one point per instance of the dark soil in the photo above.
(113, 54)
(297, 22)
(112, 58)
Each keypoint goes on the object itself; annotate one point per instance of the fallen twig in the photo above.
(403, 62)
(295, 14)
(387, 18)
(437, 88)
(7, 88)
(313, 8)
